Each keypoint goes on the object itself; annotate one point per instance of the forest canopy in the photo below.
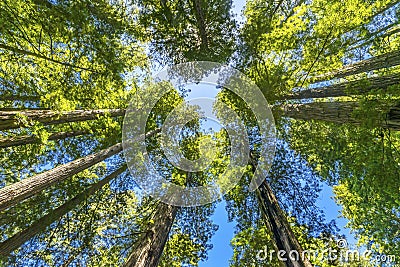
(71, 72)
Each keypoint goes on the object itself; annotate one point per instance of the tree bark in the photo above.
(382, 33)
(348, 88)
(199, 14)
(338, 112)
(276, 222)
(10, 119)
(379, 62)
(14, 242)
(148, 249)
(28, 187)
(26, 139)
(19, 98)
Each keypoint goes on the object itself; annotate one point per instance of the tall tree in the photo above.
(188, 30)
(379, 62)
(379, 114)
(14, 193)
(358, 87)
(11, 119)
(148, 250)
(26, 139)
(276, 222)
(362, 164)
(6, 247)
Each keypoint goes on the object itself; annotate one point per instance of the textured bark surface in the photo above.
(19, 98)
(19, 191)
(347, 88)
(389, 30)
(11, 120)
(393, 118)
(338, 112)
(277, 223)
(27, 139)
(201, 23)
(148, 249)
(40, 225)
(383, 61)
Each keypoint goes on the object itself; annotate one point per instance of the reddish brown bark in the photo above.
(148, 249)
(199, 14)
(276, 222)
(379, 62)
(14, 242)
(28, 187)
(10, 119)
(348, 88)
(340, 113)
(26, 139)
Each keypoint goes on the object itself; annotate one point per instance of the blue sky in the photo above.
(222, 251)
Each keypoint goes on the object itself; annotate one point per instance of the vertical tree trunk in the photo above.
(348, 88)
(12, 119)
(148, 249)
(275, 220)
(277, 223)
(14, 242)
(26, 139)
(201, 24)
(28, 187)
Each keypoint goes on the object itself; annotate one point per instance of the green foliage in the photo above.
(71, 55)
(182, 31)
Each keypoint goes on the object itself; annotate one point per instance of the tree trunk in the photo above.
(26, 139)
(28, 187)
(278, 225)
(383, 61)
(391, 29)
(19, 98)
(12, 119)
(148, 249)
(199, 14)
(340, 113)
(347, 89)
(14, 242)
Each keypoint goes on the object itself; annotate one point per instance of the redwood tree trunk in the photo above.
(148, 249)
(278, 225)
(10, 119)
(348, 88)
(14, 242)
(199, 14)
(379, 62)
(28, 187)
(26, 139)
(339, 112)
(19, 98)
